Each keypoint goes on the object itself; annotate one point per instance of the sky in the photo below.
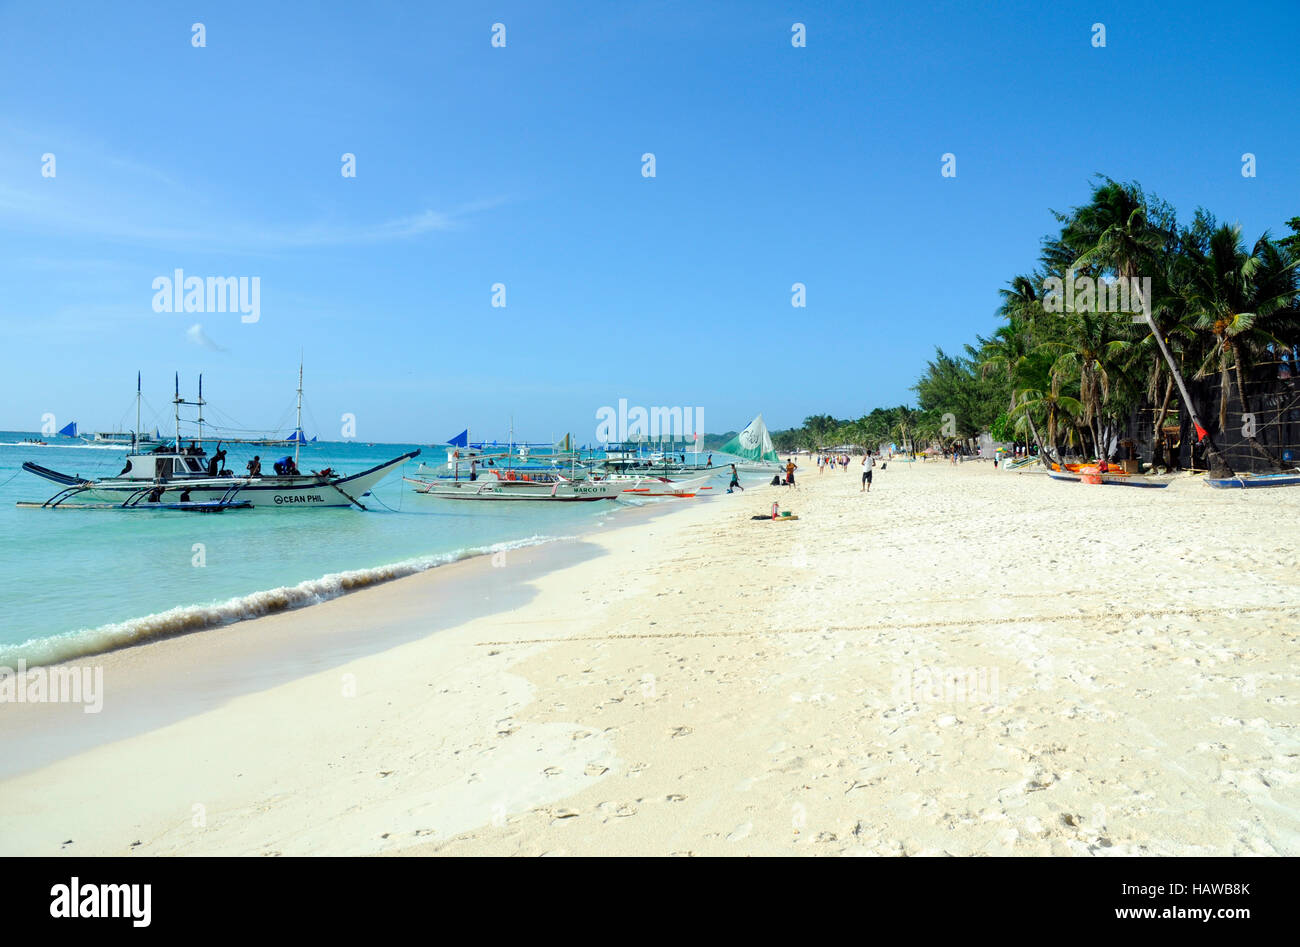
(522, 165)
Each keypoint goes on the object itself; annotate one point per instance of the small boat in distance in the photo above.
(125, 438)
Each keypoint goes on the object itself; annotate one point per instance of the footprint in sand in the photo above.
(740, 831)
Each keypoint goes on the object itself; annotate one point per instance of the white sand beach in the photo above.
(964, 661)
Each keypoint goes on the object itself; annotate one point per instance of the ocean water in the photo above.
(76, 582)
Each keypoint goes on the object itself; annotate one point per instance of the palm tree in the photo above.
(1242, 301)
(818, 430)
(1090, 354)
(904, 429)
(1056, 407)
(1114, 232)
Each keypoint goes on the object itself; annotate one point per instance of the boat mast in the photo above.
(200, 403)
(135, 435)
(297, 440)
(176, 401)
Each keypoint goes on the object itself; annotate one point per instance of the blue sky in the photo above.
(522, 165)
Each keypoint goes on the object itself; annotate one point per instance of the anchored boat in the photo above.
(642, 486)
(176, 477)
(497, 485)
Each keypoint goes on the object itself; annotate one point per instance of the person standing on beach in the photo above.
(790, 468)
(735, 481)
(868, 465)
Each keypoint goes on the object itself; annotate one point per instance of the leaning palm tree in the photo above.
(1114, 232)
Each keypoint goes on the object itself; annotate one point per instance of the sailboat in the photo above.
(183, 478)
(754, 446)
(512, 485)
(464, 457)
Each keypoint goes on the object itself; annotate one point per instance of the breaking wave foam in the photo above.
(190, 618)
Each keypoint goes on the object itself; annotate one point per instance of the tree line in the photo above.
(1127, 314)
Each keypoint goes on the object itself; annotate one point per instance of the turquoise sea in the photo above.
(76, 582)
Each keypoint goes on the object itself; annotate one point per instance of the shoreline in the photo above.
(35, 734)
(935, 667)
(85, 644)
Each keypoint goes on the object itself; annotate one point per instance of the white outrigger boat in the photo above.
(513, 485)
(176, 477)
(652, 486)
(510, 485)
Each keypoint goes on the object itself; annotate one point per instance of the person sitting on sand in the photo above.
(1103, 466)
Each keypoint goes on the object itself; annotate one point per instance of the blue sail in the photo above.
(69, 431)
(460, 440)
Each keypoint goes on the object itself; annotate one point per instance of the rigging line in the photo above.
(376, 497)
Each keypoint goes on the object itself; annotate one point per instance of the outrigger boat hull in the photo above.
(492, 489)
(1264, 480)
(1111, 480)
(302, 491)
(661, 486)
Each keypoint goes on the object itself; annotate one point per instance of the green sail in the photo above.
(754, 443)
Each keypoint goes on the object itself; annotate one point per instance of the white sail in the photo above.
(754, 443)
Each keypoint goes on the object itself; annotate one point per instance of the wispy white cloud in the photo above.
(200, 338)
(146, 205)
